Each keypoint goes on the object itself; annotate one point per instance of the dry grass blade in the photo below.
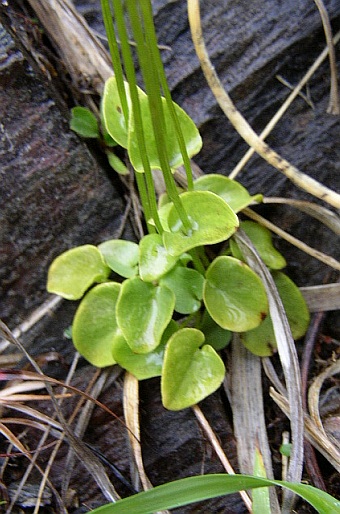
(17, 444)
(300, 179)
(288, 358)
(44, 309)
(333, 107)
(219, 451)
(314, 396)
(248, 413)
(86, 457)
(269, 127)
(14, 374)
(35, 414)
(312, 432)
(320, 256)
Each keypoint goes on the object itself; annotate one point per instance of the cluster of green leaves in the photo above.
(161, 307)
(129, 319)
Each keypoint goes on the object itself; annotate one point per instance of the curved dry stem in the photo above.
(333, 106)
(325, 216)
(278, 115)
(299, 178)
(312, 432)
(326, 259)
(313, 399)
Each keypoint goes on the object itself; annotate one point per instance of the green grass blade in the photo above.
(150, 72)
(152, 39)
(115, 56)
(145, 184)
(203, 487)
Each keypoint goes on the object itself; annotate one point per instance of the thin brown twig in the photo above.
(278, 115)
(299, 178)
(219, 451)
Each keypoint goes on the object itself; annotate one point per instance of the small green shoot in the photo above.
(86, 125)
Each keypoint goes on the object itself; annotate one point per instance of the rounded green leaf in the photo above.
(215, 336)
(236, 196)
(75, 270)
(187, 285)
(234, 295)
(154, 259)
(143, 312)
(95, 329)
(112, 112)
(190, 373)
(212, 221)
(122, 256)
(116, 163)
(261, 340)
(143, 365)
(84, 122)
(261, 237)
(192, 139)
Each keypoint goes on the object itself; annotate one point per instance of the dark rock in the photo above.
(54, 195)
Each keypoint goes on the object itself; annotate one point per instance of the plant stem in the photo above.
(145, 186)
(150, 72)
(300, 179)
(152, 40)
(114, 51)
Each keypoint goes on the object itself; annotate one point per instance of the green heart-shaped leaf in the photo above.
(146, 365)
(190, 373)
(95, 329)
(75, 270)
(122, 256)
(84, 122)
(234, 295)
(212, 221)
(154, 259)
(236, 196)
(261, 237)
(187, 285)
(143, 312)
(112, 112)
(215, 336)
(261, 340)
(192, 139)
